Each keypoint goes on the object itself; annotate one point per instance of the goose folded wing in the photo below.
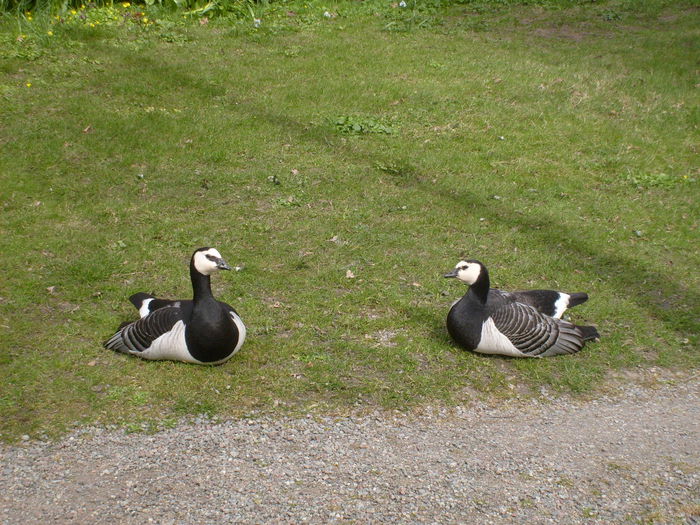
(139, 335)
(536, 334)
(499, 298)
(530, 332)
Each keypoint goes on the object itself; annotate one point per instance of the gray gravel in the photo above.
(629, 457)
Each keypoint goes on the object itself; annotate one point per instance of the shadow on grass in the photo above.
(645, 284)
(660, 296)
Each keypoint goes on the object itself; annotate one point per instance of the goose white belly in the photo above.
(173, 344)
(494, 342)
(170, 345)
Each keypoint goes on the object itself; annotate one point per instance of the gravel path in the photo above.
(633, 457)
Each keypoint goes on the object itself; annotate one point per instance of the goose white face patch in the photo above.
(203, 264)
(468, 272)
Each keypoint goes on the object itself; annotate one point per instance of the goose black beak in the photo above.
(453, 273)
(222, 265)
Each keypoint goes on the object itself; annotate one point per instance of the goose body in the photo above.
(516, 324)
(200, 330)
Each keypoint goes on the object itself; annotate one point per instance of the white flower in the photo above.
(402, 4)
(257, 22)
(327, 14)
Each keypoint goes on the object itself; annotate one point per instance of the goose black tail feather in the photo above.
(577, 298)
(589, 333)
(138, 298)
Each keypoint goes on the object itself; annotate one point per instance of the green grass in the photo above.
(559, 146)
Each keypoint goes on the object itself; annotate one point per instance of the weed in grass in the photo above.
(409, 15)
(657, 180)
(399, 169)
(360, 125)
(610, 16)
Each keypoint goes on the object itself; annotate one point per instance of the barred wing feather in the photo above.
(535, 334)
(138, 336)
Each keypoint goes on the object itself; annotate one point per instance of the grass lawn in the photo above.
(345, 161)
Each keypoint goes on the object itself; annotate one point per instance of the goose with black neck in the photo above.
(200, 330)
(495, 322)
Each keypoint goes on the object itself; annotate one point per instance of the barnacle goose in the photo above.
(510, 323)
(201, 330)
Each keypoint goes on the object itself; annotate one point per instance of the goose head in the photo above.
(208, 260)
(467, 271)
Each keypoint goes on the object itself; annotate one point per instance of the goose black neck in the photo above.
(201, 284)
(480, 288)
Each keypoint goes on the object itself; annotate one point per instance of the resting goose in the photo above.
(507, 323)
(201, 330)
